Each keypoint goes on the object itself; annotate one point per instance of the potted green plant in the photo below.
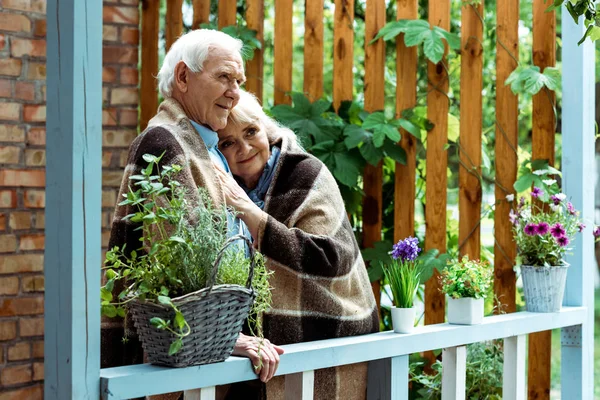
(544, 229)
(466, 283)
(403, 275)
(186, 277)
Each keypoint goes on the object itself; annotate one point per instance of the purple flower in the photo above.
(557, 198)
(571, 209)
(597, 232)
(530, 229)
(521, 202)
(562, 241)
(513, 216)
(543, 228)
(536, 192)
(407, 249)
(557, 230)
(581, 227)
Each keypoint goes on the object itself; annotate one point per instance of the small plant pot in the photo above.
(403, 319)
(465, 311)
(544, 287)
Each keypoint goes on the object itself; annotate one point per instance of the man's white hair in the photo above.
(193, 48)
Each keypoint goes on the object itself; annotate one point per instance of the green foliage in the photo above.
(579, 8)
(242, 32)
(417, 32)
(484, 374)
(176, 256)
(529, 80)
(466, 278)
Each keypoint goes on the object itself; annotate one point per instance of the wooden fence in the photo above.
(470, 190)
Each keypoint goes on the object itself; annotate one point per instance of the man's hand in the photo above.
(263, 355)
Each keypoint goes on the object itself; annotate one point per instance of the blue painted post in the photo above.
(577, 344)
(73, 194)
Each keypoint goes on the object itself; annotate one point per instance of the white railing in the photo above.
(387, 353)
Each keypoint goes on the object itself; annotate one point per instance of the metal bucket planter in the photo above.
(403, 319)
(544, 287)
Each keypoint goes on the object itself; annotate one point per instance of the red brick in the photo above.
(105, 92)
(21, 306)
(10, 154)
(109, 117)
(29, 393)
(40, 220)
(43, 90)
(38, 371)
(118, 138)
(107, 220)
(106, 158)
(3, 42)
(20, 220)
(11, 133)
(22, 177)
(121, 15)
(38, 6)
(110, 33)
(35, 157)
(8, 244)
(109, 198)
(129, 76)
(5, 88)
(109, 74)
(112, 178)
(9, 285)
(10, 66)
(19, 351)
(123, 159)
(38, 349)
(2, 221)
(8, 330)
(31, 327)
(33, 283)
(34, 113)
(36, 136)
(18, 263)
(120, 96)
(130, 36)
(10, 111)
(128, 117)
(119, 55)
(34, 241)
(25, 90)
(15, 375)
(8, 199)
(28, 47)
(39, 27)
(36, 71)
(15, 22)
(35, 199)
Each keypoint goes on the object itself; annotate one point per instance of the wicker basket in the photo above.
(215, 315)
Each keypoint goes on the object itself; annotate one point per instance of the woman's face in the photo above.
(246, 148)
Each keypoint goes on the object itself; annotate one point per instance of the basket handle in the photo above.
(213, 277)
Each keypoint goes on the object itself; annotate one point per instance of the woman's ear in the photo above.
(181, 76)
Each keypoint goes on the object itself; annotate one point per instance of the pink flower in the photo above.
(562, 241)
(581, 227)
(571, 209)
(530, 229)
(557, 230)
(543, 228)
(513, 216)
(597, 232)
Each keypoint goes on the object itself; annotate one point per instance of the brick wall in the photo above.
(22, 174)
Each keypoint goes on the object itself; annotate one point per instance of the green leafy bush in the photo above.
(466, 278)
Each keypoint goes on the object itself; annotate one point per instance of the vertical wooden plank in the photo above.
(454, 373)
(505, 250)
(313, 49)
(201, 12)
(437, 163)
(343, 52)
(544, 55)
(513, 375)
(577, 360)
(471, 83)
(149, 61)
(388, 379)
(255, 15)
(282, 67)
(73, 194)
(227, 13)
(300, 386)
(374, 101)
(173, 22)
(406, 97)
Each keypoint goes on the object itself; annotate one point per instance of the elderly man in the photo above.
(200, 80)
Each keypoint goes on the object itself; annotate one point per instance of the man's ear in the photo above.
(182, 76)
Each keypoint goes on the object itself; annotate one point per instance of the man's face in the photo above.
(213, 92)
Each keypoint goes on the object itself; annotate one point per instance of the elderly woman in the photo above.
(293, 208)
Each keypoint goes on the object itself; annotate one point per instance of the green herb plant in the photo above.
(466, 278)
(179, 245)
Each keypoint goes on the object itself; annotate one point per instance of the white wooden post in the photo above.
(300, 386)
(208, 393)
(454, 373)
(578, 85)
(514, 373)
(73, 196)
(388, 379)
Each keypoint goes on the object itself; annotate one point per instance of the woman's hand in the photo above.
(235, 197)
(263, 355)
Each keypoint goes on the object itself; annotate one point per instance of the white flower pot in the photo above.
(403, 319)
(465, 311)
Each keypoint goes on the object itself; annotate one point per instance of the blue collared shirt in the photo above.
(235, 226)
